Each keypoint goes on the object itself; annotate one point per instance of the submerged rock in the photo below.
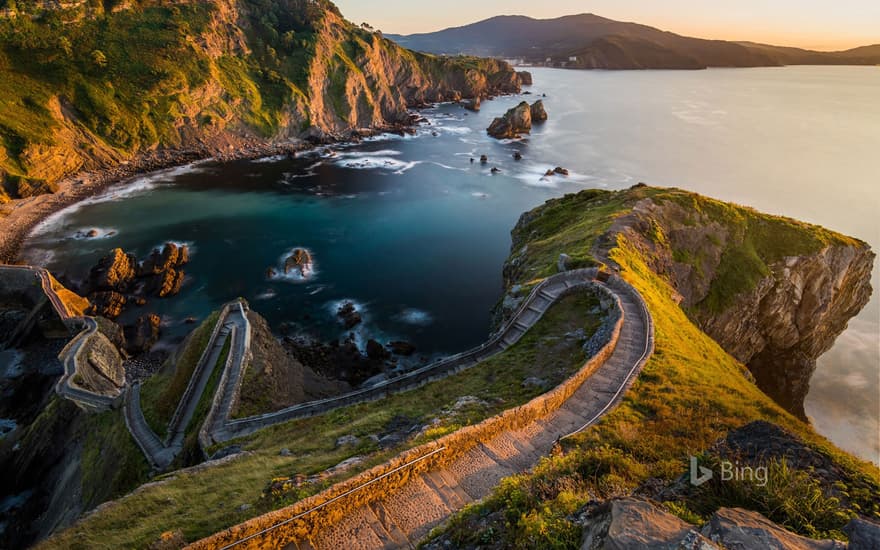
(349, 315)
(402, 348)
(377, 351)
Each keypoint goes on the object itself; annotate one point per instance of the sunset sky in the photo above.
(814, 24)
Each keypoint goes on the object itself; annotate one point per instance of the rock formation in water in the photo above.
(539, 114)
(119, 278)
(229, 74)
(516, 121)
(299, 262)
(773, 292)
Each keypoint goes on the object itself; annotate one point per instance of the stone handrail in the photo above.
(275, 529)
(234, 363)
(162, 453)
(174, 425)
(513, 328)
(70, 357)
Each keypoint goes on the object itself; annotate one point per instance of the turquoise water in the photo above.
(413, 232)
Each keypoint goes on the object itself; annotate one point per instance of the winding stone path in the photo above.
(231, 324)
(84, 327)
(401, 517)
(544, 295)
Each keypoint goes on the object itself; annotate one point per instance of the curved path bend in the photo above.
(222, 428)
(84, 326)
(402, 517)
(231, 324)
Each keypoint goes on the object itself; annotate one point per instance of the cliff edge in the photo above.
(773, 292)
(86, 86)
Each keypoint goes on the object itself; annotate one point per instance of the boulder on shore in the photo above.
(516, 121)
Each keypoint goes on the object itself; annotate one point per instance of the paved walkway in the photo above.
(85, 327)
(402, 519)
(231, 324)
(530, 312)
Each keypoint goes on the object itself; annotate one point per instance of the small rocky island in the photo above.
(518, 120)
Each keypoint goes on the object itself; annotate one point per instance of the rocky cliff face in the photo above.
(774, 293)
(145, 76)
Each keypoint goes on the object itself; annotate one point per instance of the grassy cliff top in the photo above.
(690, 394)
(203, 500)
(90, 84)
(578, 225)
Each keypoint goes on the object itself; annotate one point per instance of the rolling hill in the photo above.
(588, 41)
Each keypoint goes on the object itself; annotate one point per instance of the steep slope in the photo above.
(588, 41)
(773, 292)
(87, 85)
(693, 398)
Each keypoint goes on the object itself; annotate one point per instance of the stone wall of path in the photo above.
(34, 281)
(395, 504)
(529, 312)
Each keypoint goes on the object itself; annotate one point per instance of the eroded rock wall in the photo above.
(792, 312)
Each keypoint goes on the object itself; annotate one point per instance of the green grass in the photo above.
(203, 502)
(161, 393)
(192, 452)
(112, 463)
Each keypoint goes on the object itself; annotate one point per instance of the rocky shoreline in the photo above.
(19, 217)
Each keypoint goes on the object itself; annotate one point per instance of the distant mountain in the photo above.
(588, 41)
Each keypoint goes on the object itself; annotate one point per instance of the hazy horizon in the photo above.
(809, 24)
